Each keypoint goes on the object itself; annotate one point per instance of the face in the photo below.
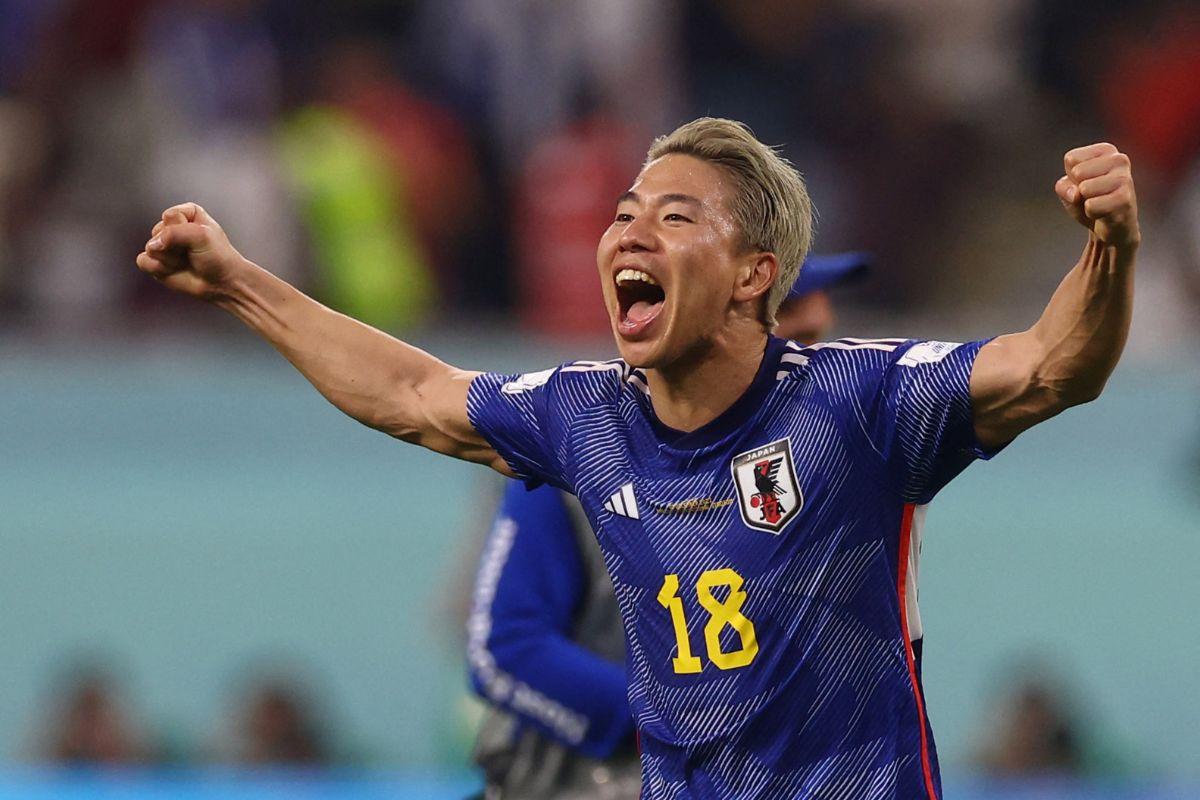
(672, 264)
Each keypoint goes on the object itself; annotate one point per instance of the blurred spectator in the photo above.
(958, 56)
(1150, 91)
(422, 169)
(277, 723)
(806, 314)
(425, 146)
(210, 91)
(564, 198)
(70, 247)
(23, 155)
(1036, 733)
(832, 84)
(519, 66)
(91, 726)
(22, 24)
(367, 258)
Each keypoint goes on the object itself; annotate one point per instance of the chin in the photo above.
(640, 355)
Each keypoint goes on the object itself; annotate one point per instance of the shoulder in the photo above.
(841, 356)
(596, 379)
(861, 367)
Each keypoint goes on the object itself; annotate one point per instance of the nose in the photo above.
(637, 236)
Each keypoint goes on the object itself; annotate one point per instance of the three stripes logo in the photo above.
(623, 503)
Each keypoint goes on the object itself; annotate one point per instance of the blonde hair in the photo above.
(770, 202)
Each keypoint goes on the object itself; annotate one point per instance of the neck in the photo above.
(695, 389)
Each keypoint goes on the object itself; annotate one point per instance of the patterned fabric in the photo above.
(762, 562)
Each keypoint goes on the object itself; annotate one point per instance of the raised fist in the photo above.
(1098, 192)
(188, 252)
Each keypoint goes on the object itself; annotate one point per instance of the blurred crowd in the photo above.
(416, 161)
(1034, 726)
(275, 719)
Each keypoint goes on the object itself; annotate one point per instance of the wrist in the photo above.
(240, 286)
(1112, 254)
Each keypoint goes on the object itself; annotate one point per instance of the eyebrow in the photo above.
(663, 200)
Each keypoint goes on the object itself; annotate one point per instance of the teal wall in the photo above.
(193, 509)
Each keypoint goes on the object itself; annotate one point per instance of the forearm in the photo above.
(1066, 357)
(371, 376)
(567, 692)
(1082, 332)
(375, 378)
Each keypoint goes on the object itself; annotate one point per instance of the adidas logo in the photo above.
(623, 503)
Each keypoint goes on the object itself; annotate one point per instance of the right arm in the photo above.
(371, 376)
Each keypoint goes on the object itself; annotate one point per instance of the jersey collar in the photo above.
(732, 418)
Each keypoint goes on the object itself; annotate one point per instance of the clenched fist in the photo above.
(188, 252)
(1098, 192)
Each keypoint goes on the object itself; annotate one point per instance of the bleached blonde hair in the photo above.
(770, 202)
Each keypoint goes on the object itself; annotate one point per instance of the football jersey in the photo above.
(765, 563)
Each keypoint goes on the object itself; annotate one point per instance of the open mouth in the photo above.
(640, 298)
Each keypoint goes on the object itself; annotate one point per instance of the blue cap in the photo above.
(821, 272)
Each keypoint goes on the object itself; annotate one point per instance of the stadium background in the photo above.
(181, 512)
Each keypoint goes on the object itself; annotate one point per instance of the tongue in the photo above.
(641, 311)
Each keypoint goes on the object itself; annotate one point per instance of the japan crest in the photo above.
(768, 494)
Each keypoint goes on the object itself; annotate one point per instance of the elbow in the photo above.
(489, 679)
(398, 413)
(497, 657)
(1086, 394)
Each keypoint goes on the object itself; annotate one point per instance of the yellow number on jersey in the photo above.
(727, 612)
(685, 662)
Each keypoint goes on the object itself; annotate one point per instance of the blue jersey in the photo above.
(764, 564)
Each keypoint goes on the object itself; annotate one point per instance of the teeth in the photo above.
(635, 275)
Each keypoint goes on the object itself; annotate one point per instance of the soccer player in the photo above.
(757, 500)
(545, 647)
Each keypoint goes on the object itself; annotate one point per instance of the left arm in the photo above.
(1065, 359)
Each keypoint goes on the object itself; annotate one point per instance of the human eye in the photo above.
(675, 217)
(623, 217)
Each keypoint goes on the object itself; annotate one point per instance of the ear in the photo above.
(755, 276)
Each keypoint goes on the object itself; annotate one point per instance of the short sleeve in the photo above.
(521, 420)
(922, 421)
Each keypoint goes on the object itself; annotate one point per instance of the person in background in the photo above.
(277, 721)
(92, 725)
(1037, 733)
(545, 647)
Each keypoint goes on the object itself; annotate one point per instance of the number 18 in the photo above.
(721, 613)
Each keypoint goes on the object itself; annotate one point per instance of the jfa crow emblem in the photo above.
(768, 494)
